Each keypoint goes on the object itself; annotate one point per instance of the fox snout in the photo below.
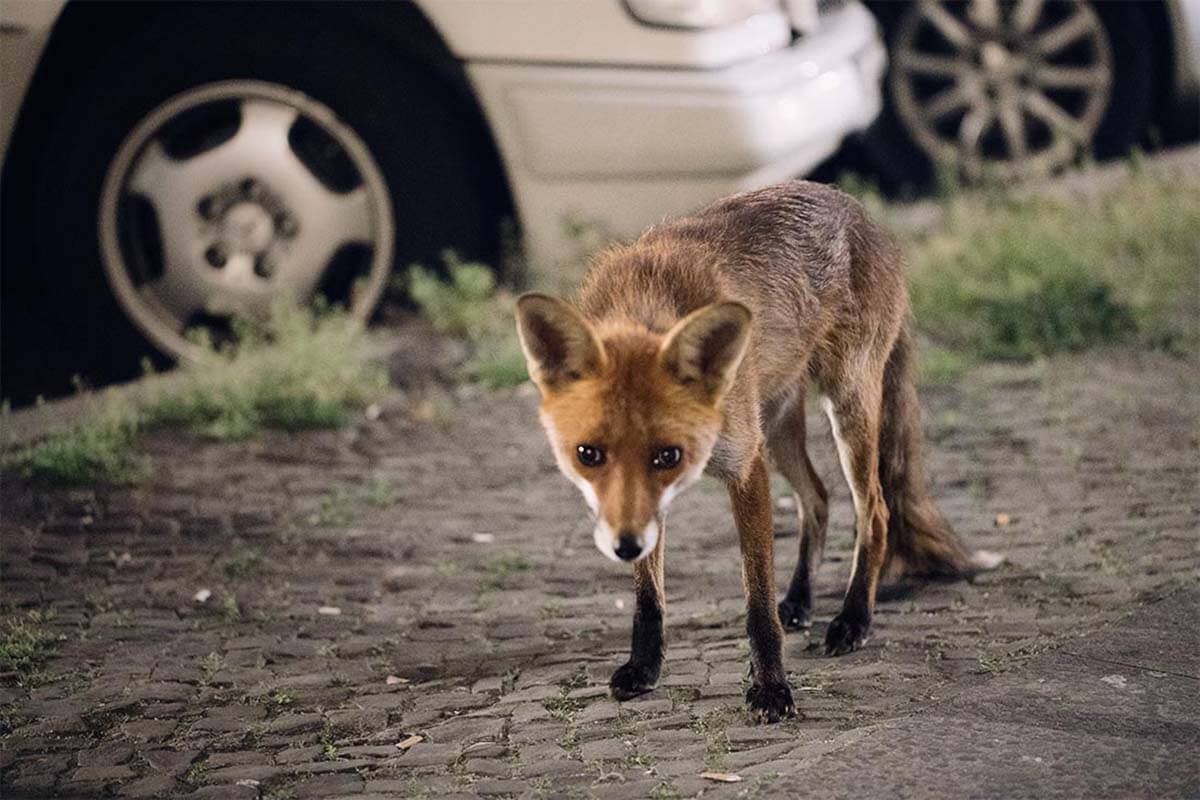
(626, 544)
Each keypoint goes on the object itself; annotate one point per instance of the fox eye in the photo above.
(590, 455)
(666, 458)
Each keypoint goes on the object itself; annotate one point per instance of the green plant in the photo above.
(1016, 276)
(468, 306)
(499, 567)
(244, 563)
(301, 369)
(25, 645)
(100, 449)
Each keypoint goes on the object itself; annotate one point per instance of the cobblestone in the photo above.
(497, 653)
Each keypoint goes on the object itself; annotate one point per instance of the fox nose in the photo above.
(629, 546)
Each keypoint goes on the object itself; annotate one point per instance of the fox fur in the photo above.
(701, 340)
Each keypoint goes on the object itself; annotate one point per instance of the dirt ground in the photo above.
(430, 575)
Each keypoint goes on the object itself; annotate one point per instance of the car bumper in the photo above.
(623, 147)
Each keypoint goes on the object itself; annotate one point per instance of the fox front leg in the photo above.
(769, 696)
(640, 674)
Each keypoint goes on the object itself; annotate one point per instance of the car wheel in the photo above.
(225, 157)
(1009, 90)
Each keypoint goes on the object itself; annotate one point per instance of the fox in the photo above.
(692, 350)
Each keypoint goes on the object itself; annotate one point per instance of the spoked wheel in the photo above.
(1009, 90)
(234, 195)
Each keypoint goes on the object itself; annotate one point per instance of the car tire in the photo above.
(901, 164)
(426, 143)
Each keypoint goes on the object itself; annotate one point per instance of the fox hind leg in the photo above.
(790, 456)
(854, 408)
(640, 674)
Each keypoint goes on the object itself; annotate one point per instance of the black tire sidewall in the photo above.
(401, 110)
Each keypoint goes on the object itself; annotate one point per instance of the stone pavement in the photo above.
(430, 575)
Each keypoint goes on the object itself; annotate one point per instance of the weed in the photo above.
(231, 612)
(499, 567)
(281, 697)
(380, 493)
(301, 369)
(97, 450)
(329, 750)
(336, 509)
(210, 666)
(1015, 278)
(468, 306)
(245, 563)
(562, 707)
(25, 645)
(665, 791)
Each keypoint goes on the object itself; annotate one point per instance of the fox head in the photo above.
(632, 415)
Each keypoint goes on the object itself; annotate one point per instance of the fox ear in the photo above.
(559, 345)
(704, 349)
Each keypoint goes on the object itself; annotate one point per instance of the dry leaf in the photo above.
(393, 680)
(404, 744)
(721, 777)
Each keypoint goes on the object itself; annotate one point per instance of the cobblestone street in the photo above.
(414, 608)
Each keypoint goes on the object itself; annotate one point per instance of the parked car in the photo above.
(1018, 88)
(175, 165)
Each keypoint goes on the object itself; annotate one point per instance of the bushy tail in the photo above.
(920, 540)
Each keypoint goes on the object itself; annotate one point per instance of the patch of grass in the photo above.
(244, 563)
(1012, 277)
(302, 369)
(25, 645)
(562, 707)
(468, 306)
(336, 509)
(97, 450)
(230, 610)
(340, 505)
(379, 493)
(500, 567)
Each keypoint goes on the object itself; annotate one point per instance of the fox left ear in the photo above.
(705, 348)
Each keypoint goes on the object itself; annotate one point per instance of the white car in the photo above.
(174, 165)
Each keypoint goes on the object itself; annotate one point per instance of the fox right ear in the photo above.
(559, 345)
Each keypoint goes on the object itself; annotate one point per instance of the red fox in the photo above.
(691, 350)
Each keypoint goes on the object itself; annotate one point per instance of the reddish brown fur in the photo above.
(826, 291)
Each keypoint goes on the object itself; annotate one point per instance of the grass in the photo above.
(1017, 277)
(101, 449)
(468, 306)
(25, 645)
(302, 369)
(500, 567)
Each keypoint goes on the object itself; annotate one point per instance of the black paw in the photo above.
(795, 616)
(631, 679)
(845, 635)
(770, 702)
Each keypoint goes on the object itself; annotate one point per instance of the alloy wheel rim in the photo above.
(1002, 89)
(233, 196)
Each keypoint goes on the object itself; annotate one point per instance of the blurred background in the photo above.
(170, 168)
